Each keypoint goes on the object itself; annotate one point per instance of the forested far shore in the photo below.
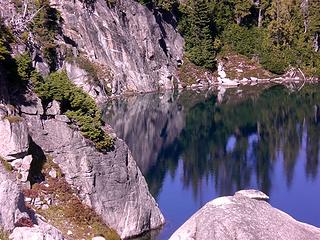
(278, 34)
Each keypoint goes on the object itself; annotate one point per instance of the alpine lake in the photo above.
(194, 146)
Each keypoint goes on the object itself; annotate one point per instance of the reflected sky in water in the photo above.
(193, 147)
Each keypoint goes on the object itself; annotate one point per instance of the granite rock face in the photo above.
(110, 183)
(243, 217)
(9, 210)
(14, 140)
(139, 45)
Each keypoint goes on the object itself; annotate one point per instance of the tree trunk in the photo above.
(305, 10)
(238, 20)
(316, 42)
(260, 18)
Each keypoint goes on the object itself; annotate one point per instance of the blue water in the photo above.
(192, 148)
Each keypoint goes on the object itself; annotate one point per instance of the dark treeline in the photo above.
(278, 33)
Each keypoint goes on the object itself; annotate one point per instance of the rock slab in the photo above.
(243, 217)
(9, 210)
(14, 140)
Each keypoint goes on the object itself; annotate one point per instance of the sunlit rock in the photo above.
(243, 217)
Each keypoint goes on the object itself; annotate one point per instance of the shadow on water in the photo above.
(197, 146)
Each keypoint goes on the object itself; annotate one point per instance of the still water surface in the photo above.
(195, 146)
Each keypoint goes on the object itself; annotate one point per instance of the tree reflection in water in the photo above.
(236, 142)
(263, 126)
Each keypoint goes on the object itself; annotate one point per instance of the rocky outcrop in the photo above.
(139, 45)
(14, 140)
(13, 210)
(9, 210)
(110, 183)
(244, 216)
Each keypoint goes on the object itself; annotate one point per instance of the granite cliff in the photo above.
(139, 45)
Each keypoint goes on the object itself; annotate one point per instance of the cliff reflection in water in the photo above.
(234, 143)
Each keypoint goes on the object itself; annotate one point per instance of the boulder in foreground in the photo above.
(244, 216)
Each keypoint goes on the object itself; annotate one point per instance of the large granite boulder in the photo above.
(82, 79)
(110, 183)
(244, 216)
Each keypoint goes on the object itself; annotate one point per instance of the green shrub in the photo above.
(3, 50)
(4, 235)
(274, 60)
(13, 118)
(45, 27)
(252, 42)
(77, 105)
(7, 166)
(6, 37)
(24, 66)
(245, 41)
(98, 74)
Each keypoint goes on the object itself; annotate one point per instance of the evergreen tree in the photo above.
(314, 23)
(286, 22)
(241, 9)
(262, 6)
(45, 26)
(197, 29)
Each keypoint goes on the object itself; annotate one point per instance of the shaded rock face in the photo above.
(110, 183)
(4, 94)
(242, 216)
(153, 120)
(14, 141)
(140, 48)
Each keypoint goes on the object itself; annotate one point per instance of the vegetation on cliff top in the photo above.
(77, 105)
(44, 26)
(279, 34)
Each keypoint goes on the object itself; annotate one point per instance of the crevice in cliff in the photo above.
(163, 45)
(38, 161)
